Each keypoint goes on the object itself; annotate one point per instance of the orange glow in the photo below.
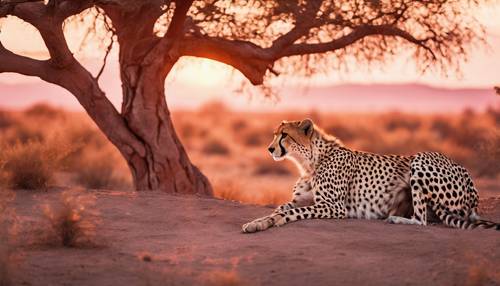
(203, 72)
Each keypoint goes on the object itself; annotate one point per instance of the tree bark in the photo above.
(165, 164)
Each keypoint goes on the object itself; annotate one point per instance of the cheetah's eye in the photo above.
(283, 135)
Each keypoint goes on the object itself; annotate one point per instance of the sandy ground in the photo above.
(197, 241)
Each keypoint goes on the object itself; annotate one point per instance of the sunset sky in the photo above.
(482, 70)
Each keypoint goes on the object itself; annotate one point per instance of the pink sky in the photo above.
(482, 70)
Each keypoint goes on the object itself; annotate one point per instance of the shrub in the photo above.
(470, 135)
(44, 110)
(83, 140)
(239, 125)
(97, 171)
(494, 114)
(488, 157)
(442, 128)
(22, 133)
(72, 221)
(396, 120)
(215, 147)
(29, 165)
(6, 120)
(87, 135)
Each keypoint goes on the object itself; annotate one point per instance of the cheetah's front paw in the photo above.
(258, 225)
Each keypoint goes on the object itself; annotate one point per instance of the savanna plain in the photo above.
(69, 216)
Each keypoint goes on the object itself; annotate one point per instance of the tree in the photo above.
(259, 38)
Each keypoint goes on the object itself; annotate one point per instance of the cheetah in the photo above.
(337, 182)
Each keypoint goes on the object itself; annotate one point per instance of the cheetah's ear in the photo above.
(306, 126)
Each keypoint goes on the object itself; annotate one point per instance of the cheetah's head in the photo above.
(292, 139)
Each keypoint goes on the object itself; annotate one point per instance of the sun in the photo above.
(201, 72)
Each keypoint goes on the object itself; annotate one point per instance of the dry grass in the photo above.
(221, 278)
(235, 190)
(45, 146)
(488, 164)
(232, 146)
(6, 121)
(97, 170)
(72, 221)
(44, 111)
(29, 165)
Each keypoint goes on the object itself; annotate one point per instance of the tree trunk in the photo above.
(165, 164)
(161, 163)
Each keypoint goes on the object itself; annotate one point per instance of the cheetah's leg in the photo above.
(418, 193)
(302, 196)
(322, 210)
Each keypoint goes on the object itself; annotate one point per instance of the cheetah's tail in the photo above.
(455, 221)
(484, 224)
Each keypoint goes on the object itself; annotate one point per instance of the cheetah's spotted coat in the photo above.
(337, 182)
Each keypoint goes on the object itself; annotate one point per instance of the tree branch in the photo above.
(354, 36)
(250, 59)
(10, 62)
(176, 26)
(253, 61)
(49, 24)
(305, 21)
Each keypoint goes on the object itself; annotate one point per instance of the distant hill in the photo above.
(382, 97)
(339, 98)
